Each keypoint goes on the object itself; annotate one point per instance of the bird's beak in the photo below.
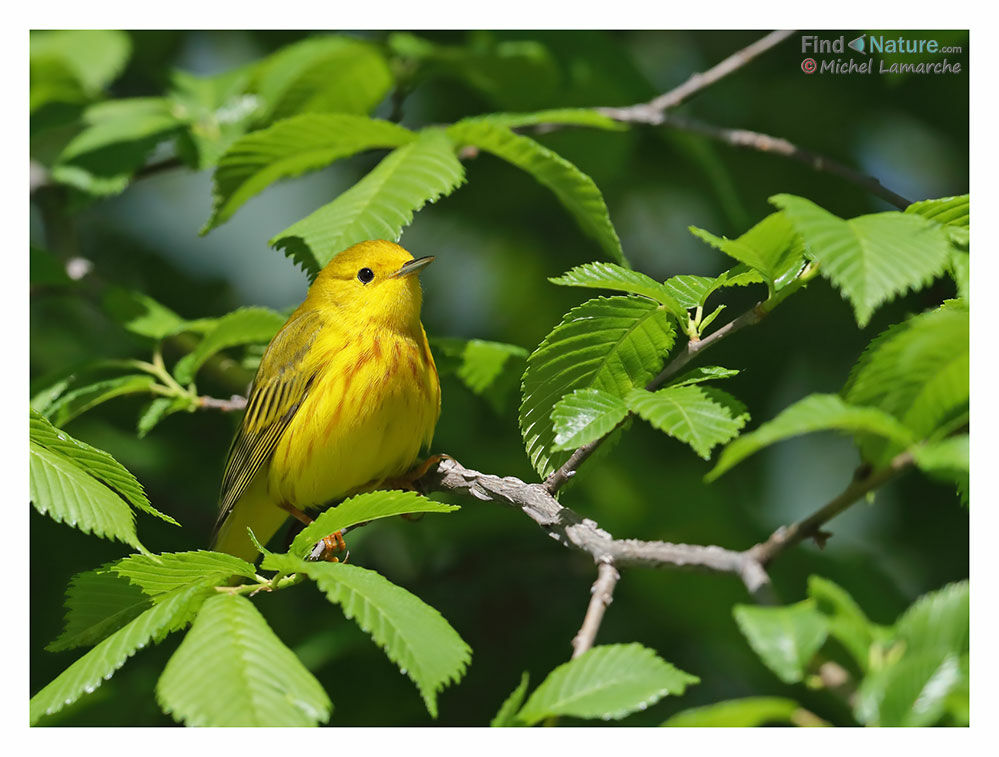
(413, 266)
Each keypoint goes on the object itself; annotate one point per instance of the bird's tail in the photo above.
(255, 510)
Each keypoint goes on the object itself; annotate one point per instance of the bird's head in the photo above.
(373, 283)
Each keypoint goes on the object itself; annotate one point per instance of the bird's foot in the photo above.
(407, 481)
(331, 548)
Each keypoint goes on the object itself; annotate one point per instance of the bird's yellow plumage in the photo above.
(346, 396)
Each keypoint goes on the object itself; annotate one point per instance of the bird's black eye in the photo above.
(365, 275)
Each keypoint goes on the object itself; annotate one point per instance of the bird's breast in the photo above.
(373, 405)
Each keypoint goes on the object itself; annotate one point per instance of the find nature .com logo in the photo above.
(870, 45)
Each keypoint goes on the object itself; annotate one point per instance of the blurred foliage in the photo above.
(110, 103)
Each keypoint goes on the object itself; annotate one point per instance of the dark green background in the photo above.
(514, 594)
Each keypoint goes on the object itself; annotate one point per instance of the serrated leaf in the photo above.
(938, 620)
(785, 638)
(847, 622)
(748, 712)
(951, 212)
(290, 148)
(380, 205)
(563, 116)
(65, 493)
(574, 189)
(323, 74)
(702, 374)
(489, 369)
(101, 662)
(918, 371)
(157, 410)
(816, 412)
(94, 57)
(412, 633)
(244, 326)
(768, 247)
(911, 692)
(614, 344)
(960, 271)
(608, 682)
(95, 462)
(618, 279)
(362, 508)
(98, 603)
(78, 401)
(693, 291)
(947, 460)
(141, 314)
(507, 715)
(159, 575)
(233, 670)
(699, 416)
(585, 416)
(872, 259)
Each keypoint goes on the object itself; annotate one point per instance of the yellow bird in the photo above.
(346, 396)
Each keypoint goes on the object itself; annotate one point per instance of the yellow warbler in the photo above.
(346, 396)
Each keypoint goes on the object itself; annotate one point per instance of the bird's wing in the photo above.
(279, 388)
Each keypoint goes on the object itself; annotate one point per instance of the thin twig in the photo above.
(652, 111)
(754, 140)
(232, 405)
(602, 594)
(811, 527)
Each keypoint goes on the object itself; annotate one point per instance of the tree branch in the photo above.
(652, 111)
(754, 140)
(602, 594)
(234, 404)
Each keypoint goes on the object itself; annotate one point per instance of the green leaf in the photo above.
(141, 314)
(45, 270)
(699, 416)
(768, 247)
(693, 291)
(244, 326)
(500, 70)
(507, 715)
(290, 148)
(78, 401)
(785, 638)
(937, 621)
(101, 662)
(158, 409)
(873, 258)
(362, 508)
(489, 369)
(160, 575)
(816, 412)
(95, 57)
(608, 682)
(614, 344)
(68, 495)
(951, 212)
(960, 271)
(918, 371)
(616, 278)
(748, 712)
(574, 189)
(911, 692)
(323, 74)
(562, 116)
(233, 670)
(847, 622)
(702, 374)
(95, 462)
(380, 205)
(98, 603)
(585, 416)
(412, 633)
(947, 460)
